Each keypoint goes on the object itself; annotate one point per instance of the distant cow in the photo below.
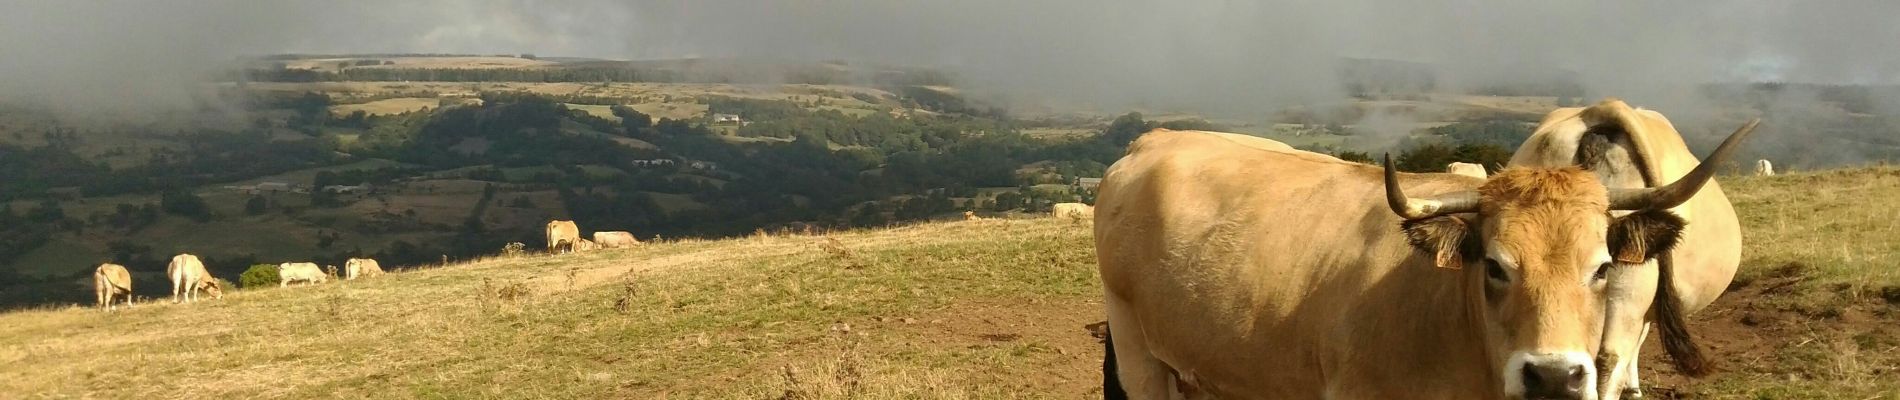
(111, 280)
(300, 272)
(1764, 168)
(970, 216)
(615, 239)
(562, 236)
(189, 277)
(357, 267)
(1075, 211)
(586, 246)
(1466, 169)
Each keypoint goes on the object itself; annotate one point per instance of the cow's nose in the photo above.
(1554, 379)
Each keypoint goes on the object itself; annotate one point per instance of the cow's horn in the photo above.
(1411, 209)
(1682, 189)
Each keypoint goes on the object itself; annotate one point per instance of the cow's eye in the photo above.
(1495, 272)
(1603, 272)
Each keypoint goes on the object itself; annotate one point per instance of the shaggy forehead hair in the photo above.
(1523, 187)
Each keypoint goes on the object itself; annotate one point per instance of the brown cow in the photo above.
(1237, 271)
(1628, 147)
(361, 267)
(563, 236)
(111, 280)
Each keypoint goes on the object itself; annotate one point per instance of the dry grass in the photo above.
(743, 318)
(1843, 224)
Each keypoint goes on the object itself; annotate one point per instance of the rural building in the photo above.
(704, 165)
(653, 162)
(1088, 183)
(727, 119)
(347, 189)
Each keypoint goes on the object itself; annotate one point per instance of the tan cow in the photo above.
(189, 277)
(1466, 169)
(1635, 148)
(1073, 211)
(586, 246)
(361, 267)
(109, 281)
(1242, 273)
(970, 216)
(562, 236)
(615, 239)
(308, 273)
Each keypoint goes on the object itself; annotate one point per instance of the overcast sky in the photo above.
(1217, 55)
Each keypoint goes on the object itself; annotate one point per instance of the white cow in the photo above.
(300, 272)
(189, 277)
(1764, 168)
(1466, 169)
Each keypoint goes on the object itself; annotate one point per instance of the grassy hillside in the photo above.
(987, 309)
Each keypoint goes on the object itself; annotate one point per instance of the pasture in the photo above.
(985, 309)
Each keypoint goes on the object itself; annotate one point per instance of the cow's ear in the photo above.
(1449, 239)
(1643, 235)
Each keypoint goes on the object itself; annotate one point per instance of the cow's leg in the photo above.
(1140, 374)
(99, 299)
(177, 295)
(1633, 386)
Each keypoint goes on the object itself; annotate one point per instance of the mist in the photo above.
(1216, 57)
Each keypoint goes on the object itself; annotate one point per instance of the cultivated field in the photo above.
(985, 309)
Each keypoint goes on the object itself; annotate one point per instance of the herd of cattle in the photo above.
(112, 282)
(1238, 267)
(565, 237)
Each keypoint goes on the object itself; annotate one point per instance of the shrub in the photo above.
(259, 275)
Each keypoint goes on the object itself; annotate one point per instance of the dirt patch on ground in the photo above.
(1767, 329)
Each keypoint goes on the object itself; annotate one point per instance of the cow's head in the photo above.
(1536, 247)
(212, 287)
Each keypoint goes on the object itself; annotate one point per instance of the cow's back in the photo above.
(113, 276)
(615, 239)
(185, 268)
(1282, 261)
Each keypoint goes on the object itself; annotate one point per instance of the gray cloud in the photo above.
(1223, 56)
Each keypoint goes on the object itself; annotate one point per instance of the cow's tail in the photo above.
(1111, 382)
(1676, 339)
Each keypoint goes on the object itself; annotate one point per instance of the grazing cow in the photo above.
(1466, 169)
(1074, 211)
(308, 273)
(109, 281)
(1236, 272)
(563, 236)
(615, 239)
(1636, 148)
(189, 277)
(1764, 168)
(586, 246)
(357, 267)
(970, 216)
